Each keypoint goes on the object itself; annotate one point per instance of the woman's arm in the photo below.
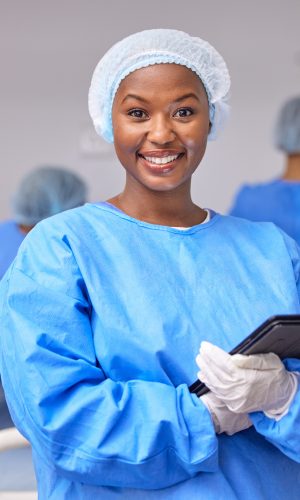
(284, 433)
(249, 388)
(139, 434)
(261, 385)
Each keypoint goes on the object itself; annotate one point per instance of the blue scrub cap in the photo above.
(47, 191)
(287, 130)
(158, 46)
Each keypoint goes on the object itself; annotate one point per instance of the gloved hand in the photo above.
(246, 384)
(225, 420)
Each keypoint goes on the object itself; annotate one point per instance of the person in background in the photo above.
(278, 201)
(106, 305)
(43, 192)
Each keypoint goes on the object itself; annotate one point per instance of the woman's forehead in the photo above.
(159, 77)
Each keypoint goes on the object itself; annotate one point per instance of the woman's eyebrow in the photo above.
(134, 96)
(187, 96)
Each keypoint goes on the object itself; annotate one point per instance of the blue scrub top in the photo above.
(10, 239)
(277, 201)
(102, 316)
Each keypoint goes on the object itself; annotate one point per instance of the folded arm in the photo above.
(137, 433)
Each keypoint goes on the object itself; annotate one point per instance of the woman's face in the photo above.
(161, 122)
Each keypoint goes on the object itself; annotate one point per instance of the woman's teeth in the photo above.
(161, 161)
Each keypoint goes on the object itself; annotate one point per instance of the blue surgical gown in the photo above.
(277, 201)
(10, 239)
(102, 316)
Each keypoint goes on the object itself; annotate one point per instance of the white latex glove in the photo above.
(225, 420)
(246, 384)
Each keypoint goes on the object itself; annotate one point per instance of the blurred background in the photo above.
(49, 51)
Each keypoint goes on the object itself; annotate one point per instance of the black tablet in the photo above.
(279, 334)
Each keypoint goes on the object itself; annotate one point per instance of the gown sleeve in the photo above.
(91, 429)
(285, 433)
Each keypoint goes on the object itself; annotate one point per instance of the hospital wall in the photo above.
(49, 50)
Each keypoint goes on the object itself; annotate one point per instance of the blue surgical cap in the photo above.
(287, 130)
(47, 191)
(158, 46)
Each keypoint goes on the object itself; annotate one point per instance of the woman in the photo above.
(278, 200)
(106, 305)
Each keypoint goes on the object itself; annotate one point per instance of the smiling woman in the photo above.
(106, 305)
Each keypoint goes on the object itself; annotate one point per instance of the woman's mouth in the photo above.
(160, 162)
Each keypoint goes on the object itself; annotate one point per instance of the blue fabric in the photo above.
(10, 240)
(102, 316)
(277, 201)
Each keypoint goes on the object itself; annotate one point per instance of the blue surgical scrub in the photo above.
(102, 317)
(10, 239)
(277, 201)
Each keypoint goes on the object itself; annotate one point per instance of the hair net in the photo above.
(287, 130)
(45, 192)
(155, 47)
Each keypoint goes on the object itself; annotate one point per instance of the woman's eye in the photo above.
(183, 112)
(137, 113)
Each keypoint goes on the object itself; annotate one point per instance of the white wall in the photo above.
(49, 50)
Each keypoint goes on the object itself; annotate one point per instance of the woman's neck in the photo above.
(162, 208)
(292, 168)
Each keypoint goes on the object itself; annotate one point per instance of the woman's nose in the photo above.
(161, 131)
